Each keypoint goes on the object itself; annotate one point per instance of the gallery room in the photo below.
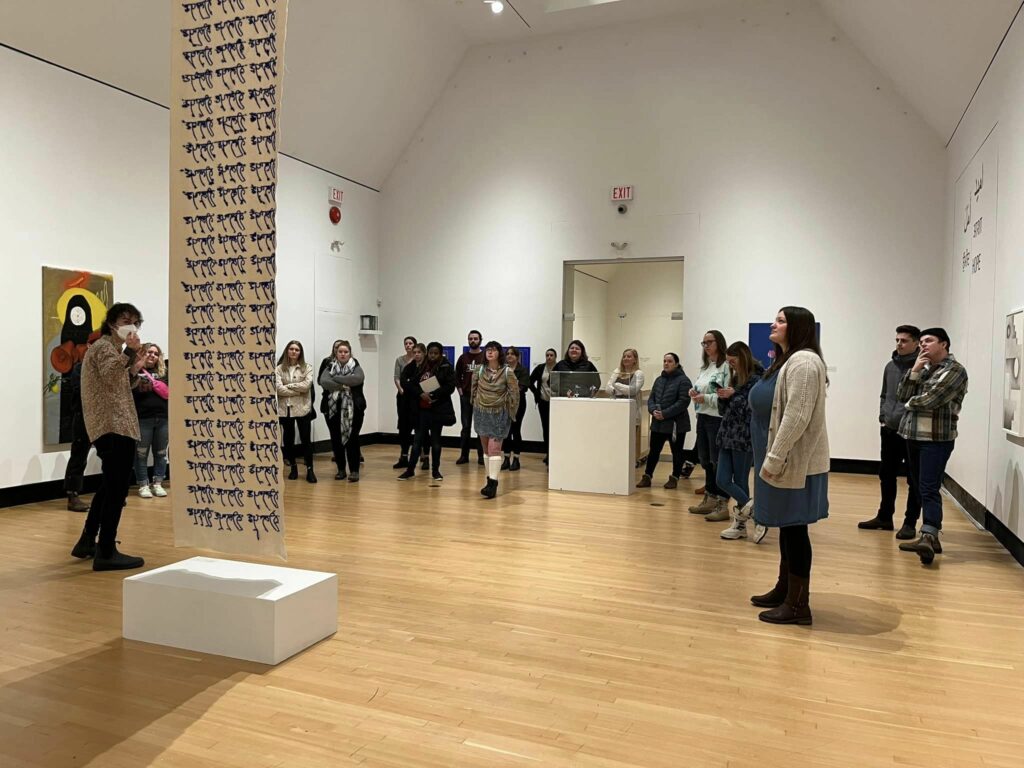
(611, 383)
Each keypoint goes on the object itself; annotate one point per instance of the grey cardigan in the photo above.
(797, 438)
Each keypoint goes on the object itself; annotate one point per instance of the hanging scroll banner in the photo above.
(224, 446)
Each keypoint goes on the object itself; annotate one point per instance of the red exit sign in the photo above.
(336, 195)
(622, 193)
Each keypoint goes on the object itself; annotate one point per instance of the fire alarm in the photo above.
(335, 214)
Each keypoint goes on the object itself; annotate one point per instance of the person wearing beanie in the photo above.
(893, 457)
(933, 392)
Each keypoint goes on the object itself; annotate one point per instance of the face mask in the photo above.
(124, 331)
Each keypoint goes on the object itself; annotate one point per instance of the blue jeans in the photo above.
(154, 434)
(734, 474)
(927, 466)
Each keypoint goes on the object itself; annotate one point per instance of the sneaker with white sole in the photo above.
(738, 530)
(144, 492)
(158, 490)
(760, 531)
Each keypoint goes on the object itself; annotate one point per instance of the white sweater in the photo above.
(709, 381)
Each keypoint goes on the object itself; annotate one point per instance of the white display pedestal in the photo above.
(593, 445)
(261, 613)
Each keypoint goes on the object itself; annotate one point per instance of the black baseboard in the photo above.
(854, 466)
(991, 523)
(49, 490)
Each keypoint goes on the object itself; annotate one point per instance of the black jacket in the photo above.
(358, 399)
(671, 395)
(441, 407)
(890, 407)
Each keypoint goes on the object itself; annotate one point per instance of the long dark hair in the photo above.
(719, 345)
(583, 351)
(741, 375)
(284, 355)
(801, 334)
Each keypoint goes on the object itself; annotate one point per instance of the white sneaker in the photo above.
(144, 492)
(158, 490)
(738, 530)
(760, 531)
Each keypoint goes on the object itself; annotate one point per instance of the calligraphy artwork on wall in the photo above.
(75, 304)
(226, 58)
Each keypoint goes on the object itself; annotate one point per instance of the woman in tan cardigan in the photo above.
(791, 458)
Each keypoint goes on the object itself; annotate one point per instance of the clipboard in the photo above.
(430, 384)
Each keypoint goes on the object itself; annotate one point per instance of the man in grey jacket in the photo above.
(894, 448)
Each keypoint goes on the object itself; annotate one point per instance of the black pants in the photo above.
(658, 440)
(514, 442)
(117, 454)
(544, 406)
(707, 449)
(349, 450)
(80, 445)
(795, 548)
(465, 436)
(406, 423)
(428, 433)
(288, 424)
(894, 461)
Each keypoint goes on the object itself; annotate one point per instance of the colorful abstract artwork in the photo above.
(74, 305)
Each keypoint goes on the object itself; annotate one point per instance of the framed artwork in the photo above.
(1013, 359)
(761, 348)
(75, 304)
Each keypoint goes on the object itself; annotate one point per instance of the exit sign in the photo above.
(622, 193)
(336, 195)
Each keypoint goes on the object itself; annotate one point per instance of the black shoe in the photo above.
(515, 465)
(506, 464)
(340, 475)
(491, 489)
(310, 477)
(425, 464)
(687, 470)
(353, 477)
(85, 548)
(361, 459)
(409, 474)
(75, 503)
(294, 473)
(907, 531)
(480, 460)
(545, 460)
(926, 547)
(877, 523)
(402, 462)
(463, 459)
(118, 561)
(437, 475)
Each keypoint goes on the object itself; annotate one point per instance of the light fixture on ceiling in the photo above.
(496, 6)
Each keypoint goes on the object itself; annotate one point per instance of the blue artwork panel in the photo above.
(762, 349)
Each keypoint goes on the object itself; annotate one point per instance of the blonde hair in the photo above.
(161, 368)
(636, 356)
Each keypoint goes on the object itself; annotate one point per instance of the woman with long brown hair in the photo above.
(713, 375)
(735, 454)
(344, 407)
(791, 458)
(294, 379)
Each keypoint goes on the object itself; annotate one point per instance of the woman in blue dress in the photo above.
(791, 459)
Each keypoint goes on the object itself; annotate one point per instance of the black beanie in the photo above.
(938, 333)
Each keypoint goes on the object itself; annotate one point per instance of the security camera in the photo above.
(623, 208)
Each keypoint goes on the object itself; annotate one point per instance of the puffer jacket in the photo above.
(671, 395)
(890, 407)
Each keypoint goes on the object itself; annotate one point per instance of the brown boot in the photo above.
(75, 503)
(672, 483)
(777, 595)
(645, 482)
(796, 609)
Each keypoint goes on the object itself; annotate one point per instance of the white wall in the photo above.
(987, 462)
(776, 160)
(86, 179)
(590, 308)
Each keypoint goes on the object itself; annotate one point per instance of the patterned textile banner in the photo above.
(225, 95)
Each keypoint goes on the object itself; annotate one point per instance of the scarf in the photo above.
(496, 390)
(342, 399)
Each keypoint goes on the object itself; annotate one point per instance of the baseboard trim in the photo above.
(854, 466)
(33, 493)
(991, 523)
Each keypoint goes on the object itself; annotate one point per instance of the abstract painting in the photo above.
(1013, 358)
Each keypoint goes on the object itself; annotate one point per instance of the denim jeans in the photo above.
(154, 434)
(927, 466)
(734, 474)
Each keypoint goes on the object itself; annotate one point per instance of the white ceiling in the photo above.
(361, 75)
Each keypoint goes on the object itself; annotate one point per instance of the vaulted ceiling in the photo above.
(361, 75)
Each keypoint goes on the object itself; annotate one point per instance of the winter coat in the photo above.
(293, 384)
(890, 407)
(671, 395)
(734, 431)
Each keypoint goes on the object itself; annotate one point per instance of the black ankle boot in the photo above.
(402, 463)
(506, 463)
(75, 504)
(310, 477)
(515, 464)
(294, 473)
(776, 596)
(85, 548)
(491, 489)
(116, 561)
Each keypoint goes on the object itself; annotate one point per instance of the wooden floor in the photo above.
(540, 629)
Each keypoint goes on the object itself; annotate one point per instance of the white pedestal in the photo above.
(261, 613)
(593, 445)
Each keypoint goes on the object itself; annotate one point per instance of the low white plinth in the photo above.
(261, 613)
(593, 445)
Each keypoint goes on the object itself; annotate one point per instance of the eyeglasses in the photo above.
(706, 343)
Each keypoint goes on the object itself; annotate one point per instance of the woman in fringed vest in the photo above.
(495, 398)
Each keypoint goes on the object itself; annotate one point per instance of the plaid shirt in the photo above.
(933, 398)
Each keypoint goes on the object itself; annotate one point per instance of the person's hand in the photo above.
(145, 385)
(139, 363)
(693, 393)
(920, 363)
(133, 341)
(726, 392)
(425, 397)
(698, 398)
(766, 475)
(658, 415)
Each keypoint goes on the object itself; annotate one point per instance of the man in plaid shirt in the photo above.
(933, 389)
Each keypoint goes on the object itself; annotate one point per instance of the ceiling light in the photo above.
(496, 6)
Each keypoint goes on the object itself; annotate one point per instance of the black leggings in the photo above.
(288, 424)
(349, 450)
(428, 435)
(406, 423)
(544, 407)
(795, 548)
(657, 442)
(514, 442)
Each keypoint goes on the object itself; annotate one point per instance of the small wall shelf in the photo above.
(371, 333)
